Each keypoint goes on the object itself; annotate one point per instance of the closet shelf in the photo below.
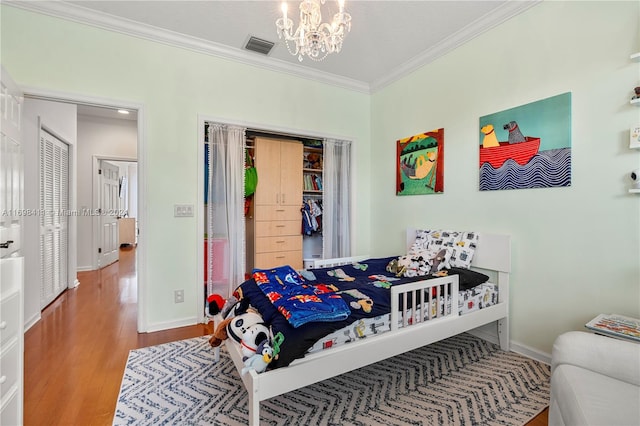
(312, 170)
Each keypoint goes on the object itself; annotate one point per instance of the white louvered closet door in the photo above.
(54, 217)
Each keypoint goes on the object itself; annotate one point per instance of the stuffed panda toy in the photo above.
(252, 338)
(241, 323)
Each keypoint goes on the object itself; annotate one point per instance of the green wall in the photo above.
(576, 250)
(175, 85)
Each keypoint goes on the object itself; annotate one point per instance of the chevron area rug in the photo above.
(462, 380)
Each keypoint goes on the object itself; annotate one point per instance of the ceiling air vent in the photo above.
(258, 45)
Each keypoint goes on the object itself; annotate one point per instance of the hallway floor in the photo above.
(76, 354)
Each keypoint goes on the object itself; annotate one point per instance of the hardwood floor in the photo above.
(76, 354)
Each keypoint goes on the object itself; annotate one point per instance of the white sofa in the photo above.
(595, 380)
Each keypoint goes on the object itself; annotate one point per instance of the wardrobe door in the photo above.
(267, 154)
(291, 174)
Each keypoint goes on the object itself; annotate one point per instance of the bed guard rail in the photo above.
(420, 301)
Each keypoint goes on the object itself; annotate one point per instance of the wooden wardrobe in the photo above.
(277, 219)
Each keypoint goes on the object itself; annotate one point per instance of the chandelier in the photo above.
(314, 38)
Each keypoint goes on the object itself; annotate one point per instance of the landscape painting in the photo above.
(420, 164)
(528, 146)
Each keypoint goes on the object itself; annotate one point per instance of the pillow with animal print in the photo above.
(463, 250)
(433, 239)
(444, 238)
(421, 242)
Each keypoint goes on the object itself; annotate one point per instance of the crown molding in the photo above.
(477, 27)
(79, 14)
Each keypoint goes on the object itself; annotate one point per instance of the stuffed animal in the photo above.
(439, 258)
(314, 160)
(260, 359)
(637, 93)
(215, 303)
(234, 327)
(220, 333)
(241, 323)
(252, 338)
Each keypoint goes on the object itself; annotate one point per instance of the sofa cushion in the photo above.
(588, 398)
(619, 359)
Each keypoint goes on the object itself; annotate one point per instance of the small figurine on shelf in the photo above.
(637, 93)
(314, 160)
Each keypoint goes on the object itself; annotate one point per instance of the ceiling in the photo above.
(388, 39)
(105, 112)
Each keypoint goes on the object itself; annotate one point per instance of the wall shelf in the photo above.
(635, 57)
(635, 102)
(634, 191)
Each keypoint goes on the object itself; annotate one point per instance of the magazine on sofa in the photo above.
(616, 325)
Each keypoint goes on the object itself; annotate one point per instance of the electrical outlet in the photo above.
(178, 296)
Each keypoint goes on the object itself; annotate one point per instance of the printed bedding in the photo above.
(363, 286)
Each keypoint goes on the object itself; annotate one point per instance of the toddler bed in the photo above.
(387, 316)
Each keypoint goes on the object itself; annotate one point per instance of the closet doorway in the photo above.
(54, 217)
(225, 150)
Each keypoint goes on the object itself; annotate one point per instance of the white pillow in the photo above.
(460, 246)
(464, 249)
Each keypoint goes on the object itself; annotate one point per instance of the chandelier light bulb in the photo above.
(313, 38)
(284, 13)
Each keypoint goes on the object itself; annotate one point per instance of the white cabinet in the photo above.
(11, 340)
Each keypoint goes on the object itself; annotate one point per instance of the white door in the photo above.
(11, 169)
(109, 206)
(11, 260)
(54, 217)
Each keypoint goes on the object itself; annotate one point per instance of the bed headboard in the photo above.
(493, 251)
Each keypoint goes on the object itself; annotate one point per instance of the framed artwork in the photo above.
(420, 164)
(528, 146)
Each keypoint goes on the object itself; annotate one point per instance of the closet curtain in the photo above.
(225, 207)
(336, 199)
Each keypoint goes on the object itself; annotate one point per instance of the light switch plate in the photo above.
(183, 210)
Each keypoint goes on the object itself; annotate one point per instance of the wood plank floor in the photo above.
(76, 354)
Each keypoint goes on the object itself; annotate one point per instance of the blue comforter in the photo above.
(298, 302)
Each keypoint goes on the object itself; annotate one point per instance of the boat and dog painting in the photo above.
(528, 146)
(420, 164)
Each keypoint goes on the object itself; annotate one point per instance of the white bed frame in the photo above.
(493, 256)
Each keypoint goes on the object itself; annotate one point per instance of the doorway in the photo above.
(115, 189)
(90, 120)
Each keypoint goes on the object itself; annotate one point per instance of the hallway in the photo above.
(76, 354)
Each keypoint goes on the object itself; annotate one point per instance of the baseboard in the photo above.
(84, 268)
(159, 326)
(30, 322)
(530, 352)
(517, 347)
